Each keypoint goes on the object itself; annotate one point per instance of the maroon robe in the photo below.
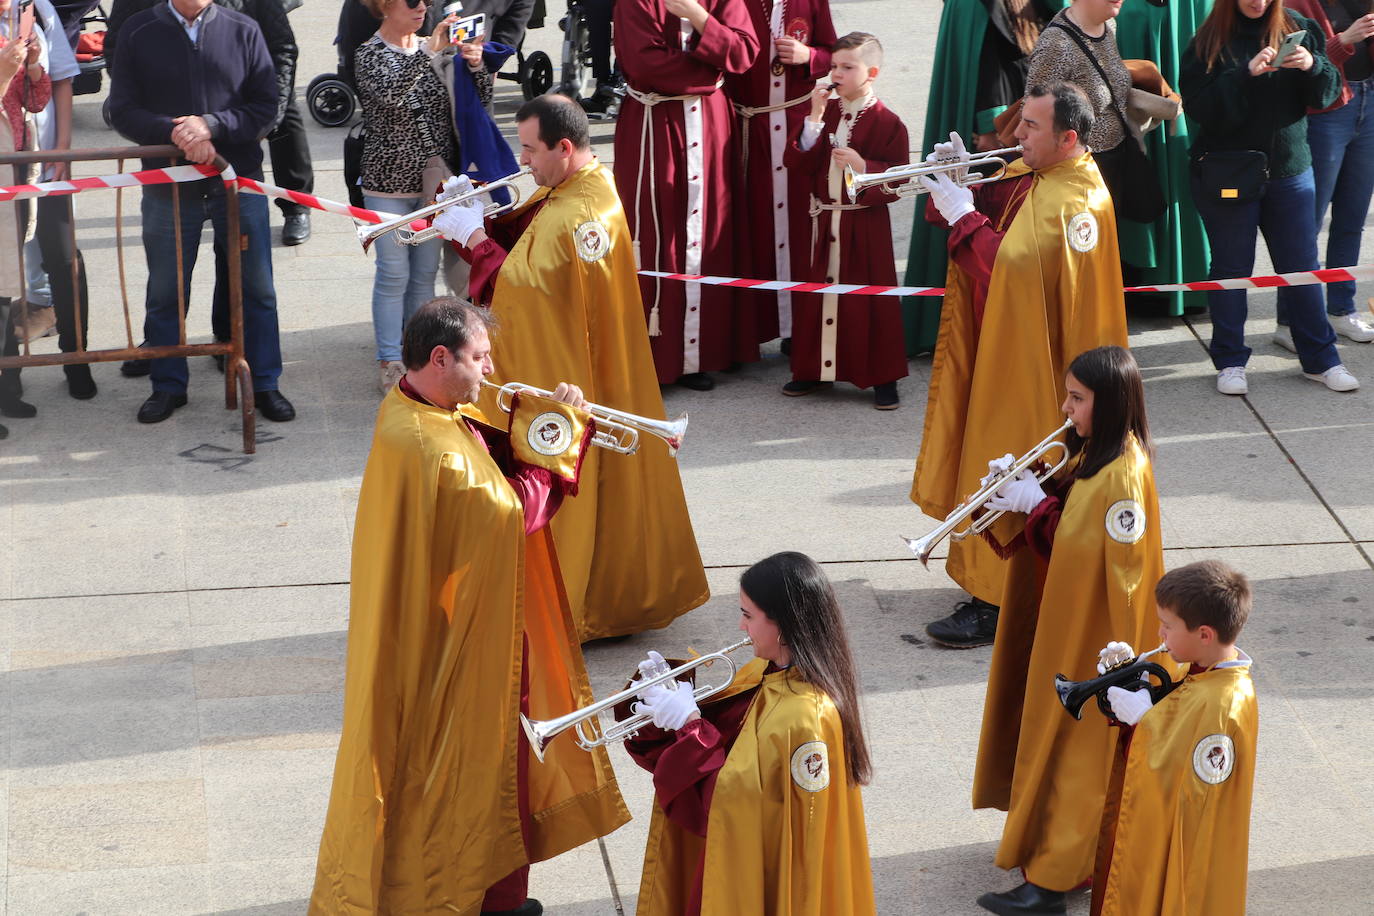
(856, 339)
(777, 239)
(674, 173)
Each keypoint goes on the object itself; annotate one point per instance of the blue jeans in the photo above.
(201, 201)
(1342, 143)
(404, 279)
(1285, 214)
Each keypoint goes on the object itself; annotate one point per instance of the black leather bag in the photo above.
(1232, 176)
(353, 163)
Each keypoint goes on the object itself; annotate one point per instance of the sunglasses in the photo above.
(415, 4)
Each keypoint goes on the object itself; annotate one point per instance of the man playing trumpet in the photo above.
(457, 626)
(559, 275)
(1034, 279)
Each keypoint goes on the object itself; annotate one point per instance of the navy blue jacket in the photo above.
(226, 77)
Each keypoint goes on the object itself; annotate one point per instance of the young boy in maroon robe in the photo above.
(849, 338)
(771, 100)
(674, 167)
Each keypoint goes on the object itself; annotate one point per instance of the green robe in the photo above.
(1173, 249)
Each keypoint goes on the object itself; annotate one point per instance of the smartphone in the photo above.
(469, 28)
(1290, 43)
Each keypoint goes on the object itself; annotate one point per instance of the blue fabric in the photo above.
(1342, 144)
(486, 154)
(404, 280)
(202, 200)
(1285, 214)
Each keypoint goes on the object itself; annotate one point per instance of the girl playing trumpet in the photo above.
(1082, 573)
(757, 803)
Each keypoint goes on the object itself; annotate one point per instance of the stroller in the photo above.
(332, 98)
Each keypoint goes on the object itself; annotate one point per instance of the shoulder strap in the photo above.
(1082, 46)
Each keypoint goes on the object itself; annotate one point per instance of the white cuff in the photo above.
(811, 132)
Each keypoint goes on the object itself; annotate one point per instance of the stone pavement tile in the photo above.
(166, 890)
(287, 555)
(268, 659)
(265, 804)
(36, 848)
(1322, 444)
(1293, 831)
(96, 723)
(276, 887)
(105, 561)
(1332, 887)
(304, 504)
(93, 494)
(321, 606)
(272, 722)
(112, 630)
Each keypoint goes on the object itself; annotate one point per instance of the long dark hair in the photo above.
(1211, 38)
(796, 595)
(1113, 376)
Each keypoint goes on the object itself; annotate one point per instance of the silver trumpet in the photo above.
(407, 236)
(587, 721)
(924, 546)
(903, 180)
(615, 429)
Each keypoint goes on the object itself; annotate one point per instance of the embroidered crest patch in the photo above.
(799, 29)
(550, 433)
(1082, 232)
(593, 240)
(1126, 521)
(1214, 758)
(811, 766)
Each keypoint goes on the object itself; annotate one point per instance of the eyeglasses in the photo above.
(415, 4)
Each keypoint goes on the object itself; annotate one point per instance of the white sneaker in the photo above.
(1352, 327)
(1283, 336)
(1337, 378)
(1231, 380)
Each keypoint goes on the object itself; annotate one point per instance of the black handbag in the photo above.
(353, 163)
(1232, 176)
(1126, 170)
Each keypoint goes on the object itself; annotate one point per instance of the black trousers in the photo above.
(599, 36)
(290, 152)
(54, 233)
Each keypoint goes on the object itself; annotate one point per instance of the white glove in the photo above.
(953, 151)
(672, 709)
(1019, 495)
(954, 201)
(1129, 706)
(459, 222)
(458, 184)
(652, 667)
(1114, 655)
(997, 467)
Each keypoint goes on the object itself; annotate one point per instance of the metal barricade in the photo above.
(236, 366)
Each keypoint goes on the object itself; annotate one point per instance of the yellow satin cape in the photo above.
(423, 814)
(568, 306)
(1051, 297)
(1048, 771)
(1181, 844)
(771, 846)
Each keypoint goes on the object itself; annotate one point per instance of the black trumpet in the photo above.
(1133, 675)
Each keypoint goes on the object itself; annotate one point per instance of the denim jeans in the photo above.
(404, 279)
(1285, 214)
(201, 201)
(1342, 143)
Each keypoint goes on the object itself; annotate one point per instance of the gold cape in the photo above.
(1052, 295)
(1048, 771)
(772, 846)
(1181, 840)
(423, 814)
(568, 306)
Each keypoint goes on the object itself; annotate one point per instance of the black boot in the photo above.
(11, 389)
(1028, 898)
(80, 385)
(973, 623)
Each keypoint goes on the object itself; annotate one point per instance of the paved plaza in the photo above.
(173, 614)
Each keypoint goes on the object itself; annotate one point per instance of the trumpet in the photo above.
(615, 429)
(922, 547)
(406, 235)
(903, 180)
(1130, 674)
(587, 721)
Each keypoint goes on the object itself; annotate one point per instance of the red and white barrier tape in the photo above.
(178, 173)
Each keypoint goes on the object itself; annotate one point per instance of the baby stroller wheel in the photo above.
(537, 77)
(331, 101)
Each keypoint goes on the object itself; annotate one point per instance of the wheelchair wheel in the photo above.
(331, 101)
(537, 77)
(576, 70)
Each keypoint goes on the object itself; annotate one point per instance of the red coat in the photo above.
(777, 238)
(675, 174)
(868, 344)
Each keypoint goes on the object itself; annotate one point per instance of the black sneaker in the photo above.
(973, 624)
(801, 387)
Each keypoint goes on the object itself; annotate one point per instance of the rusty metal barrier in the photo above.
(236, 366)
